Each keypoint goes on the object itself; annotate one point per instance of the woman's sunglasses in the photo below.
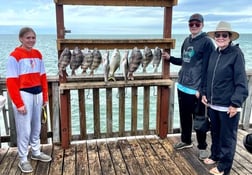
(191, 24)
(218, 35)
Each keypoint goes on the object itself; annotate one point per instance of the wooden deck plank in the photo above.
(105, 159)
(93, 159)
(3, 152)
(57, 162)
(43, 167)
(153, 157)
(180, 161)
(166, 160)
(143, 161)
(146, 155)
(131, 163)
(116, 156)
(8, 160)
(69, 160)
(82, 160)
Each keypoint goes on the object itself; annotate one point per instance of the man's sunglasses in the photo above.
(218, 35)
(191, 24)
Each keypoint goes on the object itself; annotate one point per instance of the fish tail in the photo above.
(130, 76)
(73, 73)
(91, 73)
(111, 78)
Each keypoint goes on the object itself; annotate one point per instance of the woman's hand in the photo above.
(204, 100)
(232, 111)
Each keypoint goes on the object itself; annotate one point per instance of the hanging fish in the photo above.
(96, 60)
(76, 60)
(125, 65)
(156, 58)
(134, 61)
(64, 61)
(114, 64)
(147, 57)
(105, 65)
(87, 60)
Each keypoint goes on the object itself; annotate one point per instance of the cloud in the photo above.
(40, 14)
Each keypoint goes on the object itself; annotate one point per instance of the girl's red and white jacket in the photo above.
(25, 69)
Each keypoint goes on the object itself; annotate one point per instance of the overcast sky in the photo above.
(40, 14)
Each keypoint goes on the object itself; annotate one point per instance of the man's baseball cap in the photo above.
(196, 17)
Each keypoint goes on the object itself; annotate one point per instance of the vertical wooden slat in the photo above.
(246, 113)
(171, 108)
(146, 109)
(109, 111)
(96, 104)
(134, 111)
(55, 113)
(121, 111)
(82, 112)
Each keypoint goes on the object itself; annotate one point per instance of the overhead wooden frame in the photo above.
(165, 43)
(153, 3)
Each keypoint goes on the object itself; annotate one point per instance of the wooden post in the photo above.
(163, 91)
(65, 96)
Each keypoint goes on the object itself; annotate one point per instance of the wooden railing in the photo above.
(116, 109)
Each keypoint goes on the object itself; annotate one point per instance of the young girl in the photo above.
(27, 86)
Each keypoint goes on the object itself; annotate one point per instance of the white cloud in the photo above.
(40, 14)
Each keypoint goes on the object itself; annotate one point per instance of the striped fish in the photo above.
(96, 60)
(64, 61)
(76, 60)
(134, 62)
(87, 60)
(156, 58)
(147, 57)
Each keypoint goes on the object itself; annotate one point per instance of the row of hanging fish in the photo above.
(129, 62)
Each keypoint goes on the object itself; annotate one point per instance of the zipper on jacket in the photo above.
(214, 72)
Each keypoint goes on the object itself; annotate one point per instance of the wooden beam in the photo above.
(114, 84)
(165, 43)
(145, 3)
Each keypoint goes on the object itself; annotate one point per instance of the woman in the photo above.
(225, 90)
(27, 86)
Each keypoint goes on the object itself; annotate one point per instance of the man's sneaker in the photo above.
(203, 154)
(182, 145)
(42, 157)
(25, 167)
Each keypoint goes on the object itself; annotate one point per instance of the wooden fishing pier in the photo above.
(134, 141)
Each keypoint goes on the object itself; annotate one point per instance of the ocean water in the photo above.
(47, 45)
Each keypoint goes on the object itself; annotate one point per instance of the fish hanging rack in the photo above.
(163, 82)
(166, 42)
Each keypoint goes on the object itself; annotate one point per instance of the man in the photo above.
(195, 52)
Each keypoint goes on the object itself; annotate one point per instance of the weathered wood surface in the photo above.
(166, 43)
(117, 84)
(158, 3)
(131, 156)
